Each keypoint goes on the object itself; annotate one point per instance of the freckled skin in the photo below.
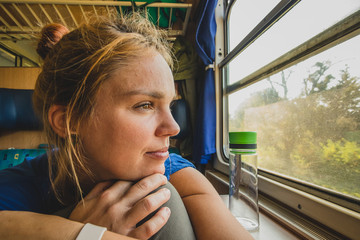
(128, 136)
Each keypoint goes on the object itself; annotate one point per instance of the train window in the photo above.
(247, 15)
(293, 76)
(287, 33)
(308, 117)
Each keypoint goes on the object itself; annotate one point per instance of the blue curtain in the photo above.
(204, 139)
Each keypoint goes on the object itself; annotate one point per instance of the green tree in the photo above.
(315, 137)
(283, 84)
(318, 81)
(262, 98)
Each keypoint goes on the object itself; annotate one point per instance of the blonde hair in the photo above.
(72, 72)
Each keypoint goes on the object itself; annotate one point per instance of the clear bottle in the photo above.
(243, 192)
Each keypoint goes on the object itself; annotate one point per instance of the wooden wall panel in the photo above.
(20, 78)
(21, 139)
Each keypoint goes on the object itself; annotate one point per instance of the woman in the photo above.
(104, 94)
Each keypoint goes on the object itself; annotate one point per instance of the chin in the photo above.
(138, 175)
(160, 170)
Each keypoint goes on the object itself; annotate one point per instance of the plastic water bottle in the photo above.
(243, 192)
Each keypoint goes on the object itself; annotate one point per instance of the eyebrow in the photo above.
(153, 94)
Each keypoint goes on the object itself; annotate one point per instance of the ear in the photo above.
(57, 119)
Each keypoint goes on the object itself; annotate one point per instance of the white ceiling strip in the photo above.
(31, 27)
(60, 16)
(46, 13)
(83, 14)
(34, 14)
(72, 15)
(5, 23)
(101, 3)
(8, 27)
(15, 21)
(96, 14)
(12, 17)
(26, 19)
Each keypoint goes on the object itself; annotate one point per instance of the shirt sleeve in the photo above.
(175, 163)
(25, 187)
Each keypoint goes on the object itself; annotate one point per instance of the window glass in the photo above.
(304, 21)
(27, 63)
(308, 118)
(6, 59)
(245, 15)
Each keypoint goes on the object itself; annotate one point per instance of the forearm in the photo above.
(208, 214)
(212, 220)
(28, 225)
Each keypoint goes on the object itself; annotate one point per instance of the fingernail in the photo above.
(165, 178)
(168, 211)
(167, 192)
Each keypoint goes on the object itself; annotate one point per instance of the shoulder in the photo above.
(31, 166)
(184, 175)
(175, 163)
(23, 187)
(184, 181)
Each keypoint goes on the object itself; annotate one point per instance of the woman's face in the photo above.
(127, 137)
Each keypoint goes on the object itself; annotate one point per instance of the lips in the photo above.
(161, 154)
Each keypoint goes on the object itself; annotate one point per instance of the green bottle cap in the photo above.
(242, 140)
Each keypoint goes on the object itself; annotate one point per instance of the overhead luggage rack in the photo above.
(22, 20)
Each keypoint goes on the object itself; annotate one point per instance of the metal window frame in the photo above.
(322, 212)
(17, 59)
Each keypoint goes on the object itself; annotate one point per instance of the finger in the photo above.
(114, 193)
(80, 212)
(147, 205)
(98, 189)
(144, 187)
(100, 198)
(153, 225)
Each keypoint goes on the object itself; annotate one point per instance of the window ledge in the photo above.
(280, 220)
(267, 227)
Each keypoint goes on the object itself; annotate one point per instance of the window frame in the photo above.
(332, 212)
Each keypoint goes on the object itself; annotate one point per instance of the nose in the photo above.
(168, 126)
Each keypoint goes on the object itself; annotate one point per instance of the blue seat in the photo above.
(16, 114)
(13, 157)
(16, 110)
(180, 113)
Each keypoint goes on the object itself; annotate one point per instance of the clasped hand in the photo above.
(120, 205)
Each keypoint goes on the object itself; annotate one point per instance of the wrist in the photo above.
(91, 232)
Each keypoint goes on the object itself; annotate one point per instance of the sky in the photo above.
(304, 21)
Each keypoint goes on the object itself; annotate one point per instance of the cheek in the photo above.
(134, 132)
(122, 149)
(125, 133)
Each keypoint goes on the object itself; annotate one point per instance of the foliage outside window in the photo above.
(308, 119)
(308, 115)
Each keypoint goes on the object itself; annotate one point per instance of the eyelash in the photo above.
(149, 106)
(145, 106)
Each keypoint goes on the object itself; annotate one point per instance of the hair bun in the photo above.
(50, 35)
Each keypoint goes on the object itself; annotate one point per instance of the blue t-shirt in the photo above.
(26, 187)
